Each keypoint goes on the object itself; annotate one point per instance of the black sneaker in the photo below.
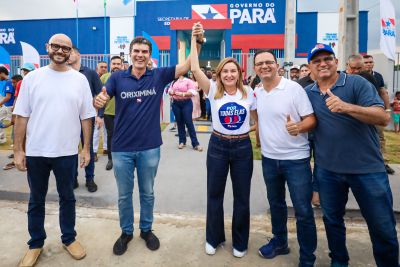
(76, 184)
(121, 244)
(91, 186)
(152, 241)
(389, 170)
(109, 165)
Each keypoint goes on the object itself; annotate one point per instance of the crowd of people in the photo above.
(318, 112)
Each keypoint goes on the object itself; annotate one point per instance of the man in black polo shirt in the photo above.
(368, 66)
(95, 86)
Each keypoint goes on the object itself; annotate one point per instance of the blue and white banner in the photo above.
(388, 29)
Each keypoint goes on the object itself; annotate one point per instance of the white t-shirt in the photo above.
(288, 98)
(231, 113)
(55, 103)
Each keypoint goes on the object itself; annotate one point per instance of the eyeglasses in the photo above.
(267, 62)
(327, 59)
(56, 47)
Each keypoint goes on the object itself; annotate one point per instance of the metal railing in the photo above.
(246, 60)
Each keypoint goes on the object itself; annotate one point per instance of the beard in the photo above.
(52, 56)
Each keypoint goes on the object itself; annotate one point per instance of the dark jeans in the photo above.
(89, 169)
(297, 174)
(38, 178)
(183, 114)
(223, 156)
(109, 122)
(208, 109)
(373, 194)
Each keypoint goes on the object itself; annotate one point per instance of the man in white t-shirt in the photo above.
(52, 99)
(285, 115)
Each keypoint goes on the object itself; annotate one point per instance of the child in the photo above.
(396, 112)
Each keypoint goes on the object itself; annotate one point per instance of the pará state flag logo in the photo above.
(232, 115)
(214, 11)
(388, 27)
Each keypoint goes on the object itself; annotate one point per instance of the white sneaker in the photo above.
(239, 254)
(210, 250)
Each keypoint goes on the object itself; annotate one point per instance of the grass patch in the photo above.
(392, 147)
(256, 150)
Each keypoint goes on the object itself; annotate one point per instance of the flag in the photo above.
(155, 54)
(388, 29)
(213, 11)
(4, 58)
(30, 54)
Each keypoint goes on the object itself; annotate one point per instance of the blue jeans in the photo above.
(38, 178)
(89, 169)
(208, 109)
(297, 174)
(183, 114)
(373, 195)
(146, 164)
(237, 156)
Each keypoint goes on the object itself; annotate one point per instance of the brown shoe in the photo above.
(181, 145)
(198, 148)
(105, 152)
(76, 250)
(30, 257)
(95, 158)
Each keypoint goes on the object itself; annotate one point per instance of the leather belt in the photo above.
(227, 136)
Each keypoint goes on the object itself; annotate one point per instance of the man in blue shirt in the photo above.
(6, 102)
(347, 156)
(137, 136)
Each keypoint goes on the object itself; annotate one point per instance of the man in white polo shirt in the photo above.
(285, 115)
(52, 99)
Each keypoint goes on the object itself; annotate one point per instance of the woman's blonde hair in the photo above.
(220, 86)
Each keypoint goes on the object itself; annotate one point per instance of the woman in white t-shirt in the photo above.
(229, 150)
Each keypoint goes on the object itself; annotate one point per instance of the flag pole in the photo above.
(105, 28)
(77, 23)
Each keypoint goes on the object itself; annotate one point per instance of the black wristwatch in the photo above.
(200, 42)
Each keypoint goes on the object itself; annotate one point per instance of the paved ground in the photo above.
(182, 241)
(179, 218)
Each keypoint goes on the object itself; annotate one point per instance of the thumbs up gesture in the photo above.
(335, 104)
(101, 99)
(292, 127)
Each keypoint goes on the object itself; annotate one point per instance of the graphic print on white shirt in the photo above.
(232, 115)
(231, 112)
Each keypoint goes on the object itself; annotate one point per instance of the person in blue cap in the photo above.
(347, 156)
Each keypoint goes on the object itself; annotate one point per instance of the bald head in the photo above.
(59, 49)
(355, 64)
(61, 38)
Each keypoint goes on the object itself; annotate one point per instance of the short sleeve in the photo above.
(165, 75)
(9, 88)
(110, 84)
(87, 110)
(302, 102)
(212, 90)
(251, 98)
(365, 93)
(22, 105)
